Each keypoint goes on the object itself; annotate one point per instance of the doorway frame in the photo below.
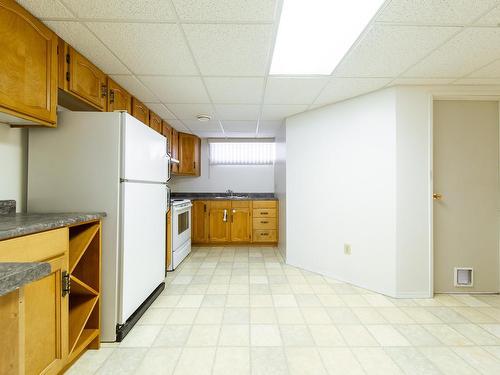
(456, 97)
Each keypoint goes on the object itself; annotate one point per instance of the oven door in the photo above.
(181, 226)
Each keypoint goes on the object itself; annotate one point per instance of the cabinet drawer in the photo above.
(264, 204)
(35, 247)
(264, 223)
(240, 204)
(264, 236)
(264, 212)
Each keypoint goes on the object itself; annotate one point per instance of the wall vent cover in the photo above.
(464, 277)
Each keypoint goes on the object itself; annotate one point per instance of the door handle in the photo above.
(437, 196)
(224, 218)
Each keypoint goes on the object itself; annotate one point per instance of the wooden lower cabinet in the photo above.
(219, 221)
(200, 222)
(232, 221)
(54, 325)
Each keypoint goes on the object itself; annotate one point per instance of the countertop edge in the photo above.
(23, 273)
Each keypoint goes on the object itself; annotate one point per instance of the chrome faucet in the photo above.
(230, 193)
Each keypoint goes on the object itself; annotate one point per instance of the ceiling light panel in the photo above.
(177, 89)
(314, 35)
(150, 10)
(286, 90)
(437, 12)
(230, 50)
(147, 48)
(46, 8)
(235, 90)
(77, 35)
(226, 10)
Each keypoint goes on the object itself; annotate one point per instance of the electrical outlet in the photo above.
(347, 249)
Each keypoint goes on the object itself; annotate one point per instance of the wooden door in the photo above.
(140, 111)
(166, 130)
(175, 150)
(86, 81)
(188, 154)
(28, 66)
(219, 225)
(199, 232)
(119, 99)
(46, 321)
(155, 122)
(241, 221)
(465, 175)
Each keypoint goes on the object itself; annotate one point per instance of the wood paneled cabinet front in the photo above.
(219, 221)
(241, 221)
(155, 122)
(140, 111)
(175, 150)
(166, 130)
(28, 67)
(85, 80)
(200, 223)
(119, 99)
(189, 154)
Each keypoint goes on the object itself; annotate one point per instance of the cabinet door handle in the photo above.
(204, 208)
(104, 91)
(224, 218)
(194, 165)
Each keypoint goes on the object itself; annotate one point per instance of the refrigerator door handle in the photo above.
(168, 199)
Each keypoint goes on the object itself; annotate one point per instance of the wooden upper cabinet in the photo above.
(28, 67)
(119, 99)
(219, 221)
(241, 221)
(155, 122)
(199, 232)
(140, 111)
(189, 154)
(166, 130)
(175, 150)
(85, 80)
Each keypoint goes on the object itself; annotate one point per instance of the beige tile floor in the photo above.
(240, 311)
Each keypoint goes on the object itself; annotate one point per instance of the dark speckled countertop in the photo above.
(15, 225)
(224, 196)
(15, 275)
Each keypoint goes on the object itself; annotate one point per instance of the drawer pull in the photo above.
(264, 234)
(264, 222)
(264, 213)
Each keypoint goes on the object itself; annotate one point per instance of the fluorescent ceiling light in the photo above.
(314, 35)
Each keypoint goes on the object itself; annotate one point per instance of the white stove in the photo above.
(181, 231)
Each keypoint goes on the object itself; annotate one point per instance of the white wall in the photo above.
(341, 188)
(280, 186)
(217, 179)
(13, 165)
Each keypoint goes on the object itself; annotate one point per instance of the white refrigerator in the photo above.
(113, 163)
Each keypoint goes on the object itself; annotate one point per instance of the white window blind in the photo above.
(241, 153)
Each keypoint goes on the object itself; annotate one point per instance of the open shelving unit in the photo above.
(84, 297)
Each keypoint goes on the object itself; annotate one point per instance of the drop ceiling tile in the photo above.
(147, 48)
(240, 134)
(343, 88)
(225, 10)
(477, 81)
(244, 112)
(135, 87)
(150, 10)
(387, 51)
(162, 111)
(177, 89)
(190, 111)
(230, 50)
(489, 71)
(241, 90)
(422, 81)
(441, 12)
(492, 18)
(239, 126)
(279, 112)
(86, 43)
(468, 51)
(269, 128)
(293, 90)
(46, 8)
(203, 134)
(179, 126)
(209, 126)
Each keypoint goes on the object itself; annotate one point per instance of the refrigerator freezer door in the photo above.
(142, 248)
(144, 152)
